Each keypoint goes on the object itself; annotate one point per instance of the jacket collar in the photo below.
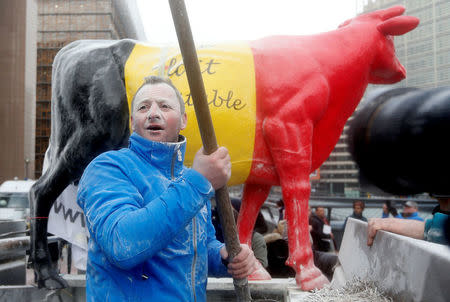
(359, 216)
(166, 157)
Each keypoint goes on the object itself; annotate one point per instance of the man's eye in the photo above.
(165, 106)
(143, 107)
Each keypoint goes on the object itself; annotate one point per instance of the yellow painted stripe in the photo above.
(229, 77)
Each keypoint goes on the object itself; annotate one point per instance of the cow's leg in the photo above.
(42, 196)
(64, 168)
(252, 200)
(290, 147)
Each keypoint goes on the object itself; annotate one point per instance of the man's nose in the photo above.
(154, 111)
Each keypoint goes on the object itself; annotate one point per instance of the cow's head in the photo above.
(384, 24)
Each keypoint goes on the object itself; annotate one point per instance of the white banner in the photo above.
(67, 221)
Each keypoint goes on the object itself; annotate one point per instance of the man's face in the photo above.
(357, 209)
(320, 212)
(156, 113)
(409, 210)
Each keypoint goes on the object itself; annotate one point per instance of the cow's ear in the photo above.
(391, 12)
(398, 26)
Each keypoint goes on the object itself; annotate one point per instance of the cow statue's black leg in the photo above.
(42, 196)
(89, 116)
(65, 167)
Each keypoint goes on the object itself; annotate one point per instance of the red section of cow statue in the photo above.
(307, 87)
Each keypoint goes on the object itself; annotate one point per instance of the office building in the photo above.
(61, 22)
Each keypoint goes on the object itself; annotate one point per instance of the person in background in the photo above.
(410, 211)
(435, 229)
(326, 262)
(320, 212)
(319, 232)
(389, 208)
(259, 246)
(358, 208)
(280, 205)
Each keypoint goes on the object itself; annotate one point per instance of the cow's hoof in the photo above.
(311, 278)
(260, 273)
(53, 282)
(47, 277)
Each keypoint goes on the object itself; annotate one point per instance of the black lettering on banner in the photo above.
(67, 213)
(178, 69)
(209, 66)
(220, 101)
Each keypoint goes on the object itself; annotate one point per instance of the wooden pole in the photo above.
(197, 88)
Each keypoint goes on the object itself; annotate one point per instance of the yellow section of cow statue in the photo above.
(229, 77)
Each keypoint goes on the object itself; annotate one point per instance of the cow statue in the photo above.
(288, 110)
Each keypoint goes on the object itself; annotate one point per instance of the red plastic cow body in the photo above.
(306, 88)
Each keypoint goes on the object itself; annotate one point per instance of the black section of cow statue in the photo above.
(399, 140)
(89, 116)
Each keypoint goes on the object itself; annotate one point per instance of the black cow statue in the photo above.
(82, 127)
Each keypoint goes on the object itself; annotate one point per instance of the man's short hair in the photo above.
(153, 80)
(360, 203)
(411, 204)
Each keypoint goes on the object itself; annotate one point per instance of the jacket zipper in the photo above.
(194, 229)
(172, 166)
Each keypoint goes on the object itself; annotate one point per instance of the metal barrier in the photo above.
(11, 247)
(13, 251)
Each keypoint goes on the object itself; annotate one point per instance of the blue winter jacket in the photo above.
(149, 219)
(413, 216)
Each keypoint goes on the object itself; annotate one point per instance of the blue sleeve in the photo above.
(128, 233)
(215, 266)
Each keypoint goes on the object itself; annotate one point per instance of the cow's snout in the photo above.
(388, 76)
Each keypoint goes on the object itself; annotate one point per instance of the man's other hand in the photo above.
(216, 167)
(243, 264)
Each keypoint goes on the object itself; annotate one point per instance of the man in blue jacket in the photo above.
(149, 217)
(410, 211)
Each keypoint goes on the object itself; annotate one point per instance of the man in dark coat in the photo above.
(317, 232)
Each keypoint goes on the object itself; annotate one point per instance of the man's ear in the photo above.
(132, 123)
(183, 121)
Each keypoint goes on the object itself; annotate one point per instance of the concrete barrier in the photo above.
(407, 269)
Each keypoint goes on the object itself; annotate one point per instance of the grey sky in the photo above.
(220, 20)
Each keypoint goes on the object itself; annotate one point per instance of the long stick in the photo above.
(197, 88)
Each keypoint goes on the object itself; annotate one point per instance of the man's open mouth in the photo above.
(154, 128)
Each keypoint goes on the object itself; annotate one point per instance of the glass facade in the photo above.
(61, 22)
